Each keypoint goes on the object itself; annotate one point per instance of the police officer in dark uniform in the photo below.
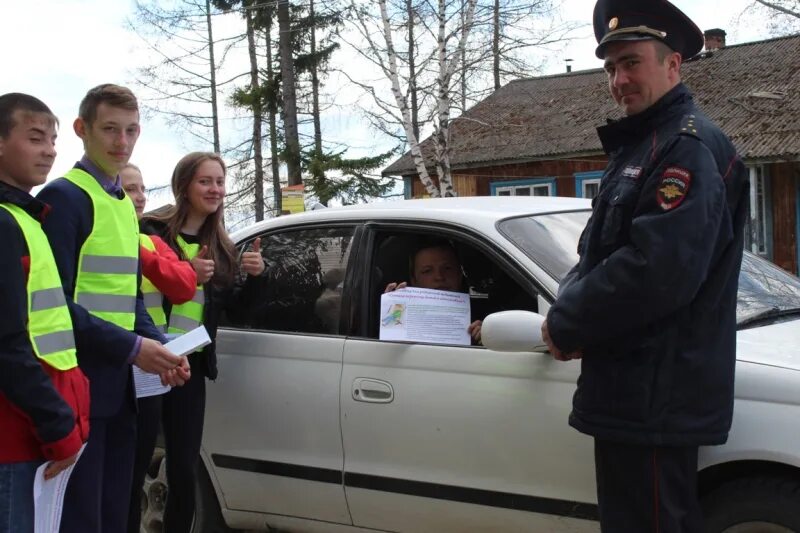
(651, 305)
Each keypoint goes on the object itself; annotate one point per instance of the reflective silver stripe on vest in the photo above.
(107, 303)
(199, 296)
(182, 322)
(54, 342)
(162, 328)
(152, 299)
(47, 299)
(108, 264)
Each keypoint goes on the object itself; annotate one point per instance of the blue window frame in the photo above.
(525, 187)
(587, 184)
(408, 187)
(758, 228)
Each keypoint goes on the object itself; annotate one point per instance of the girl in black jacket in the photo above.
(194, 228)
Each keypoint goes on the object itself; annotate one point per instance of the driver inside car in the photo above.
(435, 265)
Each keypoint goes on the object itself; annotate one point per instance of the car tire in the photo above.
(154, 494)
(753, 505)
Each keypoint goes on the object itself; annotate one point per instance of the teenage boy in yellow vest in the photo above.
(44, 396)
(95, 238)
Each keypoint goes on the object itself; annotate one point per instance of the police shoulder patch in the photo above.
(673, 187)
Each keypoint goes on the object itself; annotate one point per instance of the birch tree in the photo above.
(447, 67)
(784, 7)
(450, 39)
(782, 16)
(440, 56)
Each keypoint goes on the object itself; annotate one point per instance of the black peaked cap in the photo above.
(636, 20)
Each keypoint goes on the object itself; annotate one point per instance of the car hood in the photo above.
(774, 345)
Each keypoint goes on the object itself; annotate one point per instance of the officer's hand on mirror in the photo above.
(577, 354)
(154, 358)
(554, 351)
(394, 286)
(252, 262)
(54, 468)
(177, 376)
(202, 266)
(557, 354)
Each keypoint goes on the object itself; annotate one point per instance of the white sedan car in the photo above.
(317, 425)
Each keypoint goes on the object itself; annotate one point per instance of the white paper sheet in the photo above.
(189, 342)
(425, 315)
(148, 384)
(48, 497)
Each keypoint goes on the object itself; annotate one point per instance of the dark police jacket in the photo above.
(652, 301)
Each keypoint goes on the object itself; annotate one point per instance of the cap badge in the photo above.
(613, 23)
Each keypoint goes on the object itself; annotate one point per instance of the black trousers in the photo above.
(98, 491)
(645, 489)
(148, 421)
(181, 413)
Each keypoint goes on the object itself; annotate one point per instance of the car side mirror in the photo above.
(513, 331)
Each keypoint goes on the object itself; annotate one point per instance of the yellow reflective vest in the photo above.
(49, 323)
(153, 299)
(108, 262)
(187, 316)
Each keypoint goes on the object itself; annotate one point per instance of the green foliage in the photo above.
(305, 63)
(268, 92)
(354, 181)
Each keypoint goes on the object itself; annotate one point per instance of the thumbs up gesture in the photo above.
(252, 262)
(202, 266)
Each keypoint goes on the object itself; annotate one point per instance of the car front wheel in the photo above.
(754, 505)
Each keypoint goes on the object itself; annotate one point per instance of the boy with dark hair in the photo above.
(94, 233)
(44, 396)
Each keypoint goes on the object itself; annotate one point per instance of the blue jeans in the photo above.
(16, 496)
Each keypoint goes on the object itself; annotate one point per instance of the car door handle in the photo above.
(372, 390)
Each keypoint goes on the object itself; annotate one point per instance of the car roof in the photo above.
(466, 210)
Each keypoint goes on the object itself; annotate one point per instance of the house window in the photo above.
(529, 187)
(587, 184)
(756, 233)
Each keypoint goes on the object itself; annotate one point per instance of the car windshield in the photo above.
(552, 242)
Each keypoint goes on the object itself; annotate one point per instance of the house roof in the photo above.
(751, 90)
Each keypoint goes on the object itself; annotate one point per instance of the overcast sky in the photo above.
(58, 49)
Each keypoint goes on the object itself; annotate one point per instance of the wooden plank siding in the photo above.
(783, 181)
(477, 181)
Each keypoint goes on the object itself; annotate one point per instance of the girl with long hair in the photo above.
(194, 229)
